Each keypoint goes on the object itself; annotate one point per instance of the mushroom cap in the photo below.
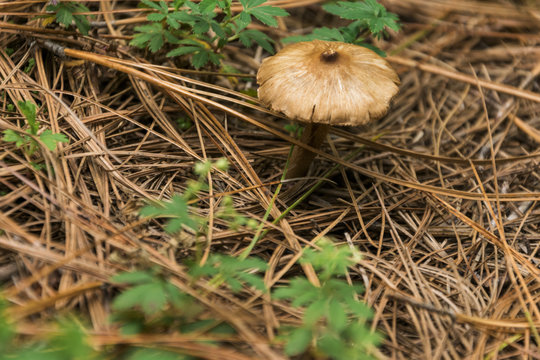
(327, 82)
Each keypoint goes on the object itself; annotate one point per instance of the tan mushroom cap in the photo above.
(327, 82)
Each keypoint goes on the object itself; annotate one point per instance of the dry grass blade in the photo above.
(443, 206)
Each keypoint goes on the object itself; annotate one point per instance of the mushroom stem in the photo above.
(313, 135)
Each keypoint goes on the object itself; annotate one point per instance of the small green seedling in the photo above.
(28, 143)
(177, 209)
(149, 292)
(334, 322)
(69, 341)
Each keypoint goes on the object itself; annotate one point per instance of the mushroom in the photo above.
(325, 83)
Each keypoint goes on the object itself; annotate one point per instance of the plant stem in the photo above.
(257, 235)
(313, 135)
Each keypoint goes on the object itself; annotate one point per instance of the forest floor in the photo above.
(440, 197)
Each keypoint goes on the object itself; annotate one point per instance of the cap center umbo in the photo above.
(329, 56)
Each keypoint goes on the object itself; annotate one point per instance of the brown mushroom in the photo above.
(324, 83)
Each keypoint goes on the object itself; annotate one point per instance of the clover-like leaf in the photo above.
(51, 139)
(298, 341)
(248, 37)
(150, 35)
(13, 136)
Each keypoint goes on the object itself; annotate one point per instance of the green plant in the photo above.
(65, 13)
(151, 302)
(368, 18)
(155, 354)
(334, 321)
(232, 271)
(177, 209)
(30, 66)
(197, 29)
(28, 143)
(150, 291)
(234, 220)
(68, 342)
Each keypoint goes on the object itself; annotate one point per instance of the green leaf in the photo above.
(331, 260)
(71, 343)
(28, 109)
(224, 4)
(194, 7)
(155, 43)
(323, 33)
(153, 5)
(207, 6)
(351, 33)
(248, 4)
(298, 341)
(200, 59)
(177, 4)
(244, 19)
(298, 38)
(12, 136)
(173, 23)
(267, 14)
(177, 298)
(337, 318)
(37, 166)
(361, 336)
(150, 35)
(373, 48)
(216, 27)
(232, 271)
(129, 327)
(183, 17)
(215, 58)
(51, 139)
(300, 290)
(183, 50)
(155, 354)
(7, 330)
(248, 37)
(156, 17)
(82, 23)
(151, 297)
(164, 8)
(64, 16)
(176, 209)
(315, 312)
(359, 309)
(373, 14)
(200, 26)
(353, 11)
(332, 346)
(254, 280)
(171, 38)
(135, 277)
